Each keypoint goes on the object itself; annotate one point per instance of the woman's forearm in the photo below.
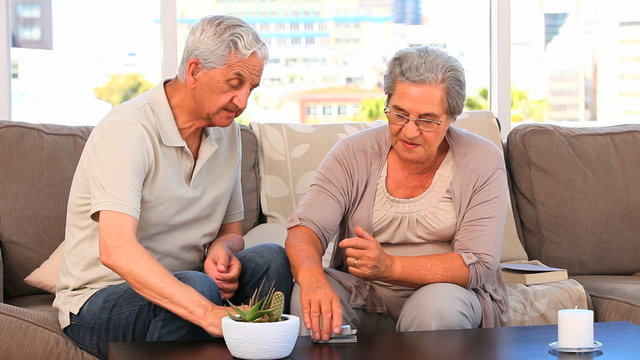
(304, 251)
(417, 271)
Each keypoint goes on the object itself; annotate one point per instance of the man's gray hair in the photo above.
(213, 38)
(431, 66)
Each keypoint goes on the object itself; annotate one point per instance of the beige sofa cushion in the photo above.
(577, 196)
(47, 275)
(288, 157)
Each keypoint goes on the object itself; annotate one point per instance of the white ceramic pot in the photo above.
(272, 340)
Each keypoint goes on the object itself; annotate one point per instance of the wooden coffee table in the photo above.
(621, 341)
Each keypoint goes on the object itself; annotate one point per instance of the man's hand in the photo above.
(365, 257)
(321, 308)
(213, 320)
(224, 268)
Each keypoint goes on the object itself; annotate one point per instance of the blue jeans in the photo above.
(117, 313)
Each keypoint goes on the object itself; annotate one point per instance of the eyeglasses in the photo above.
(424, 125)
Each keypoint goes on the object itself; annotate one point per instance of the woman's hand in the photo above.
(320, 304)
(365, 257)
(321, 308)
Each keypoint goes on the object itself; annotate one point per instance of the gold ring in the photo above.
(355, 263)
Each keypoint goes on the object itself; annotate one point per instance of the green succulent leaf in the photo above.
(266, 309)
(259, 315)
(241, 313)
(235, 317)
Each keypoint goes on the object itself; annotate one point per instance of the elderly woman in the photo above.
(418, 208)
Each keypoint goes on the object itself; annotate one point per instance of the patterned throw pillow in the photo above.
(289, 155)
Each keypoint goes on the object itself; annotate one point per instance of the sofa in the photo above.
(575, 203)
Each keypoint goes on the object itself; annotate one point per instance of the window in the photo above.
(344, 46)
(28, 10)
(29, 32)
(57, 85)
(573, 61)
(31, 24)
(311, 110)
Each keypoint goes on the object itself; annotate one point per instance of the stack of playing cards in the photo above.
(347, 335)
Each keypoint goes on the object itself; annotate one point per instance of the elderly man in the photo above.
(153, 244)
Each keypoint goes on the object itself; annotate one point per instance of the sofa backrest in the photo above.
(290, 153)
(577, 192)
(37, 163)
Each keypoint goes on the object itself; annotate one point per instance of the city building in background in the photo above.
(91, 42)
(626, 71)
(407, 12)
(571, 65)
(31, 24)
(552, 24)
(332, 104)
(577, 60)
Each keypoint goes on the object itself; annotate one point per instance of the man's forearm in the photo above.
(121, 252)
(156, 284)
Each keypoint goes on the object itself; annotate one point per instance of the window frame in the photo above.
(5, 62)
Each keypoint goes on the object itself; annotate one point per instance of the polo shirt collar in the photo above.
(167, 123)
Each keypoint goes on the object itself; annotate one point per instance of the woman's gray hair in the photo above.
(431, 66)
(212, 39)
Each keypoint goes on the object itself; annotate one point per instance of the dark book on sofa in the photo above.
(530, 274)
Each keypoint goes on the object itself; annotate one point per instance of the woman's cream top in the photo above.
(416, 226)
(421, 225)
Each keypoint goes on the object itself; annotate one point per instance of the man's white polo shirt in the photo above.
(136, 162)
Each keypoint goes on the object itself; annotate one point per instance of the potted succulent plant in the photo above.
(262, 331)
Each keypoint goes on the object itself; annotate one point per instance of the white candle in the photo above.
(575, 328)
